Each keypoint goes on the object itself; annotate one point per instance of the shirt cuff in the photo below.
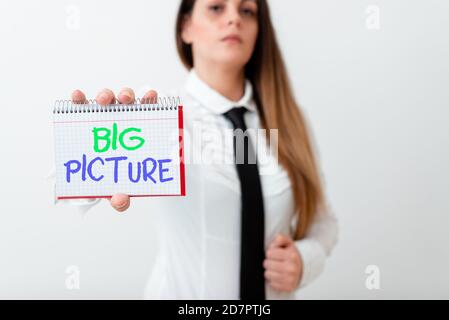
(313, 258)
(82, 205)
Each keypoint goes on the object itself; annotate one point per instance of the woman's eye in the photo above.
(216, 8)
(249, 12)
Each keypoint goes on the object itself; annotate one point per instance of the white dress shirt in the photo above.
(199, 235)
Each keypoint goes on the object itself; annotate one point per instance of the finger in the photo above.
(120, 202)
(150, 97)
(278, 254)
(278, 286)
(281, 241)
(105, 97)
(273, 265)
(78, 97)
(273, 276)
(126, 96)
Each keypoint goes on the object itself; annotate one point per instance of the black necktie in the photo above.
(252, 282)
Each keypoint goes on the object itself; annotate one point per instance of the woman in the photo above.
(230, 48)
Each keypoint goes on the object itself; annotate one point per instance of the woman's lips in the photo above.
(232, 38)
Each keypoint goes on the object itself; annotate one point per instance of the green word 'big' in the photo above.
(111, 137)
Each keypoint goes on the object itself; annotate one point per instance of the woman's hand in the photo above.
(119, 202)
(283, 264)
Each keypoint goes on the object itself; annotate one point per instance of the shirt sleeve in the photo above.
(82, 205)
(318, 244)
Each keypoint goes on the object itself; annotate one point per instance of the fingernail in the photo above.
(104, 97)
(125, 97)
(122, 205)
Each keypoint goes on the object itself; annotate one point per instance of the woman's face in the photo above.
(222, 31)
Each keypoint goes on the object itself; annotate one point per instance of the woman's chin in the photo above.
(232, 59)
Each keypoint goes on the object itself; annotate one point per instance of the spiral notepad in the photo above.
(132, 149)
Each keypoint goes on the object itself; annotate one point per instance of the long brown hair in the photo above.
(276, 103)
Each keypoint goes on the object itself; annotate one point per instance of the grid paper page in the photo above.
(97, 153)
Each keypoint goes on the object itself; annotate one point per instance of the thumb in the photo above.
(281, 241)
(120, 202)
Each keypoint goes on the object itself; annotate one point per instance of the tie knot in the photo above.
(235, 115)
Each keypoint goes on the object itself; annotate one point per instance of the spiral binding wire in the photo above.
(90, 106)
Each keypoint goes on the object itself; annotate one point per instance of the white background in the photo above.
(376, 99)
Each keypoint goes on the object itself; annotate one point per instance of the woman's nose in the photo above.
(234, 17)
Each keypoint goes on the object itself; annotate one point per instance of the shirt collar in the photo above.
(213, 100)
